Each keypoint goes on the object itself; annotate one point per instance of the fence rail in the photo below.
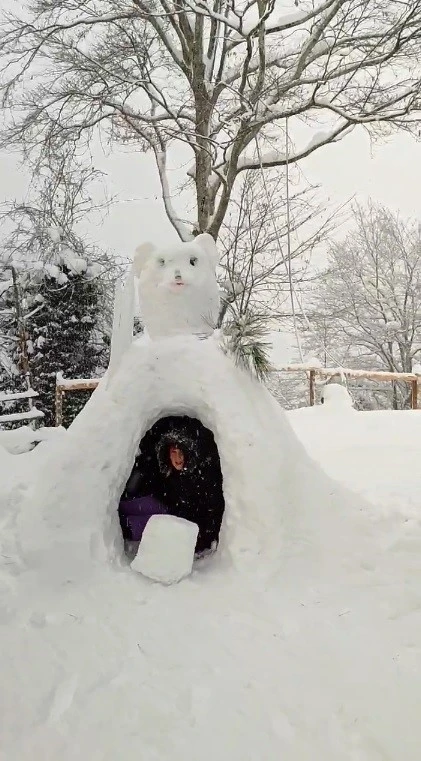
(31, 415)
(63, 385)
(411, 379)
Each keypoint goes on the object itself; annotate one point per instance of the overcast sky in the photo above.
(388, 172)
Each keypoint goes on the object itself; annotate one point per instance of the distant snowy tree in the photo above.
(367, 304)
(291, 390)
(65, 282)
(266, 241)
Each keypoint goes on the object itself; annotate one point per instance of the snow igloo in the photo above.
(182, 372)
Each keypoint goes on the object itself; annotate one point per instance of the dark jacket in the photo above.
(195, 493)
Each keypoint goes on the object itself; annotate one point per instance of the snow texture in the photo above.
(166, 552)
(24, 439)
(178, 291)
(123, 321)
(16, 417)
(298, 639)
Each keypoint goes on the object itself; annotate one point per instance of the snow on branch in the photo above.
(279, 158)
(296, 18)
(177, 223)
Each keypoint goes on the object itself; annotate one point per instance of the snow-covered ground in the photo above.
(377, 454)
(300, 640)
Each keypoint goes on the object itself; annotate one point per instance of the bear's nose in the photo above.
(177, 275)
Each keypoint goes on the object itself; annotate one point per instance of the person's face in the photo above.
(177, 458)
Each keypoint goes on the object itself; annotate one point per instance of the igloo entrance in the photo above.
(177, 471)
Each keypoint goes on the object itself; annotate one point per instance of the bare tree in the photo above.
(266, 241)
(368, 302)
(216, 80)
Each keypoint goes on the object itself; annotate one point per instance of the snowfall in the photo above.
(300, 639)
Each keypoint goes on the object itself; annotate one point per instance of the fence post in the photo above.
(414, 394)
(59, 405)
(312, 380)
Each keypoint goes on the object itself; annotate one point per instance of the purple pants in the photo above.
(135, 513)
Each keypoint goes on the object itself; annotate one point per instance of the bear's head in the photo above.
(177, 286)
(179, 266)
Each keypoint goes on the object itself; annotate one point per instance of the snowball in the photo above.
(178, 290)
(76, 264)
(93, 270)
(62, 279)
(166, 552)
(335, 395)
(52, 270)
(55, 232)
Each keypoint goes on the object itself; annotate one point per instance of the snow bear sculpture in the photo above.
(178, 290)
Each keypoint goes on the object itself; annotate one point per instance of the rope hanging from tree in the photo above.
(294, 298)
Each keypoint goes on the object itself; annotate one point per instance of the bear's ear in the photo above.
(208, 245)
(141, 256)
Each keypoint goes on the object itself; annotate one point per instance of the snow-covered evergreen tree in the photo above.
(63, 336)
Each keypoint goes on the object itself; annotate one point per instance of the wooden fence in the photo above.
(90, 384)
(76, 384)
(30, 416)
(412, 379)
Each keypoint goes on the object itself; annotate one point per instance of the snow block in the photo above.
(166, 552)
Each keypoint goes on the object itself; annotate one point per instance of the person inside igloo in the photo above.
(176, 472)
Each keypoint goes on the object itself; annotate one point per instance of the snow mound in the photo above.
(166, 551)
(25, 438)
(296, 639)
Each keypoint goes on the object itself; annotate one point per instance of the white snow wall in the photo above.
(71, 510)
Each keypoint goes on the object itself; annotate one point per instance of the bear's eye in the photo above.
(161, 262)
(193, 261)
